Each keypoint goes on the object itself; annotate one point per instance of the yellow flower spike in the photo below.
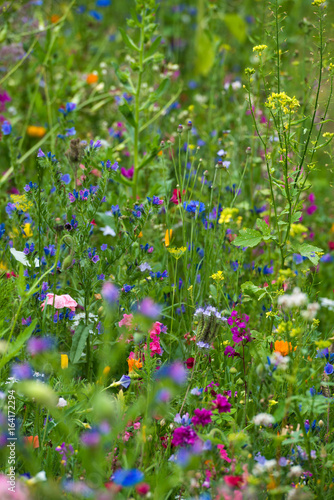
(64, 361)
(140, 235)
(168, 237)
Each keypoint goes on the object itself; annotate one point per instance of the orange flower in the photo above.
(134, 363)
(283, 347)
(168, 237)
(92, 78)
(34, 131)
(32, 441)
(55, 18)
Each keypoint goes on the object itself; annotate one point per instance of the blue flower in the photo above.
(125, 381)
(6, 128)
(127, 477)
(329, 369)
(70, 131)
(192, 206)
(66, 178)
(96, 15)
(103, 3)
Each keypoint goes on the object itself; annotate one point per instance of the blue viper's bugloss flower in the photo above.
(125, 381)
(66, 178)
(329, 369)
(6, 128)
(95, 15)
(103, 3)
(127, 477)
(21, 371)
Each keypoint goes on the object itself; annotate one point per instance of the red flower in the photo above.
(176, 198)
(331, 245)
(142, 489)
(190, 363)
(233, 481)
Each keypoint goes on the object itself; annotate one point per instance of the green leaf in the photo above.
(247, 238)
(152, 48)
(308, 251)
(16, 346)
(296, 217)
(205, 54)
(249, 287)
(78, 343)
(237, 26)
(128, 41)
(127, 113)
(264, 228)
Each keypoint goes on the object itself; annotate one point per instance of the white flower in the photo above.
(40, 477)
(311, 311)
(281, 362)
(263, 419)
(61, 403)
(22, 258)
(107, 230)
(325, 302)
(145, 267)
(296, 299)
(295, 470)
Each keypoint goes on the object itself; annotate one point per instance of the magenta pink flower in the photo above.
(221, 404)
(60, 301)
(183, 436)
(201, 417)
(223, 453)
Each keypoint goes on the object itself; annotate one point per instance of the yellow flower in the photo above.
(21, 202)
(227, 215)
(282, 100)
(218, 276)
(260, 49)
(27, 230)
(177, 252)
(297, 229)
(318, 3)
(64, 361)
(3, 267)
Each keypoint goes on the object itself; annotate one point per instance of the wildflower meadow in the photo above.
(166, 250)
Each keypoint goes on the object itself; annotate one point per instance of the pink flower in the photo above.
(136, 425)
(60, 301)
(223, 453)
(221, 404)
(126, 436)
(126, 321)
(201, 417)
(155, 348)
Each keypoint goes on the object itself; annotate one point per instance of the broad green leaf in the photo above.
(78, 343)
(296, 217)
(153, 48)
(237, 26)
(247, 238)
(249, 287)
(16, 346)
(264, 228)
(308, 251)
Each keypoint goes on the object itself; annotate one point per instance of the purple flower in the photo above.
(163, 395)
(95, 259)
(40, 154)
(230, 352)
(127, 173)
(201, 417)
(21, 371)
(149, 308)
(183, 436)
(36, 345)
(175, 371)
(104, 247)
(91, 438)
(110, 293)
